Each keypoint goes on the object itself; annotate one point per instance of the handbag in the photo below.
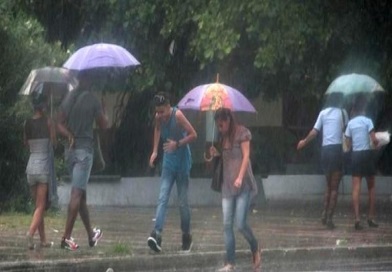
(217, 174)
(98, 160)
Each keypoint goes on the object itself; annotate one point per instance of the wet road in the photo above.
(291, 236)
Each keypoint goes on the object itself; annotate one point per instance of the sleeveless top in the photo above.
(179, 160)
(37, 128)
(37, 135)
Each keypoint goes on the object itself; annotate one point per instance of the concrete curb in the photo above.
(316, 258)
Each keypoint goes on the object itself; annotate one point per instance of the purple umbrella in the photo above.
(100, 55)
(210, 97)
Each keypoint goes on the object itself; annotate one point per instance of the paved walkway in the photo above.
(291, 237)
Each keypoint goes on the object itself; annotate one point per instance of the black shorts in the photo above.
(332, 158)
(363, 163)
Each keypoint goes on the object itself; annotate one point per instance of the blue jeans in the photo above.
(168, 178)
(237, 207)
(79, 162)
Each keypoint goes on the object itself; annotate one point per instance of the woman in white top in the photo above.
(331, 122)
(359, 133)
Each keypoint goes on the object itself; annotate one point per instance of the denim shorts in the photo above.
(34, 179)
(79, 162)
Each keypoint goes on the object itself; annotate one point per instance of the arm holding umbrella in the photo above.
(62, 128)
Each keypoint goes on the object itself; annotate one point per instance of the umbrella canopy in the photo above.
(50, 78)
(353, 84)
(100, 55)
(53, 82)
(210, 97)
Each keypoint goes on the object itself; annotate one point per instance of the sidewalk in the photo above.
(291, 236)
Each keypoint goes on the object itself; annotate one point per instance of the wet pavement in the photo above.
(291, 235)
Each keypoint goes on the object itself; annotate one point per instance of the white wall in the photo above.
(144, 191)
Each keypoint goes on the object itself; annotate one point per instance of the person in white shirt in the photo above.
(331, 121)
(359, 133)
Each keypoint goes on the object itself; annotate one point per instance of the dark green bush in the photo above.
(22, 48)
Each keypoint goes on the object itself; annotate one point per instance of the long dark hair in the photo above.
(225, 114)
(334, 100)
(38, 98)
(360, 104)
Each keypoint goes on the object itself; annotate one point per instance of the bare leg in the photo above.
(326, 200)
(73, 209)
(84, 214)
(355, 196)
(41, 231)
(333, 198)
(371, 181)
(39, 193)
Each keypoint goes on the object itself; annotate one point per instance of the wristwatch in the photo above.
(177, 144)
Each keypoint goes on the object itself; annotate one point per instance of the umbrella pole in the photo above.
(51, 105)
(212, 144)
(213, 135)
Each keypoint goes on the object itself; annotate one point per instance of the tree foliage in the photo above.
(276, 48)
(22, 49)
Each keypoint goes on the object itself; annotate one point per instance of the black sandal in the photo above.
(358, 226)
(372, 223)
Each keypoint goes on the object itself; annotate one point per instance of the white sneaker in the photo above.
(97, 236)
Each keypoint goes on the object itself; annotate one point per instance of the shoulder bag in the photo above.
(217, 174)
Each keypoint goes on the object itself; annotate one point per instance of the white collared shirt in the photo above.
(330, 121)
(358, 130)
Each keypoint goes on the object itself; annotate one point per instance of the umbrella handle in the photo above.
(212, 144)
(206, 158)
(51, 104)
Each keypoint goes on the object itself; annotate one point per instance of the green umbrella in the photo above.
(353, 84)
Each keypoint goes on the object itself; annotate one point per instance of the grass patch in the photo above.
(11, 220)
(121, 248)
